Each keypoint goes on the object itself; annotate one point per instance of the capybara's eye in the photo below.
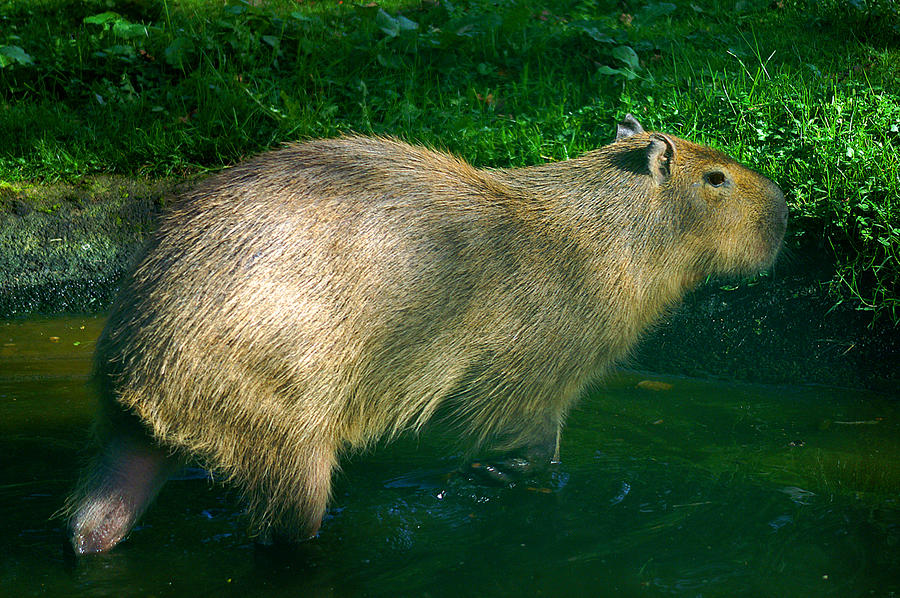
(715, 178)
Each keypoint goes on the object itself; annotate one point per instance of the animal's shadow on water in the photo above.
(407, 518)
(693, 490)
(401, 516)
(674, 487)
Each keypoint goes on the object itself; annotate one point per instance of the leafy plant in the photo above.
(14, 55)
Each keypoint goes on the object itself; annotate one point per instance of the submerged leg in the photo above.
(537, 457)
(121, 482)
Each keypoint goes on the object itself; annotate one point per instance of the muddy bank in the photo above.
(64, 247)
(785, 328)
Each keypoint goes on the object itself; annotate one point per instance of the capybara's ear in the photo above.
(628, 127)
(660, 156)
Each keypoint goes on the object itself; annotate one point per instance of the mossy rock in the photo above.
(64, 246)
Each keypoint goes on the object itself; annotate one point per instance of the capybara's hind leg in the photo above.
(113, 493)
(297, 509)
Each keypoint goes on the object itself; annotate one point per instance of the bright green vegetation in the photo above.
(806, 92)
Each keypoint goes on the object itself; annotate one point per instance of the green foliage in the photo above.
(108, 86)
(14, 54)
(201, 84)
(876, 21)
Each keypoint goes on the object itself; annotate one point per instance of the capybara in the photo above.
(322, 296)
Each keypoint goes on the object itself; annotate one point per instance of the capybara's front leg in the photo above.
(534, 460)
(113, 493)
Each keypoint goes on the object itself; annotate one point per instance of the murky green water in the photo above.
(703, 489)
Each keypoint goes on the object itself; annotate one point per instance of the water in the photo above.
(701, 489)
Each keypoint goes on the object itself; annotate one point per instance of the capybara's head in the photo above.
(731, 219)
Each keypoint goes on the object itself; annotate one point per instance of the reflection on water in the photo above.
(704, 488)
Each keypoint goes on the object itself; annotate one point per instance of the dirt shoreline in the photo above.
(63, 248)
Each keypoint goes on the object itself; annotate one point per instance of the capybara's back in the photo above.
(323, 296)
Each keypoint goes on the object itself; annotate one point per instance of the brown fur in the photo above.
(331, 293)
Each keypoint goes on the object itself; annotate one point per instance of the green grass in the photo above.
(806, 92)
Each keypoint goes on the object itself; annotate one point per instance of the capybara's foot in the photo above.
(122, 481)
(101, 525)
(510, 470)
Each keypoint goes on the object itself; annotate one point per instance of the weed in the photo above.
(804, 91)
